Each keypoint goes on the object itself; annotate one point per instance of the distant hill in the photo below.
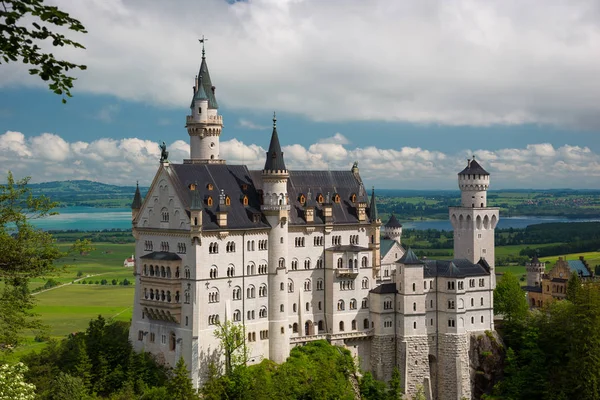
(86, 193)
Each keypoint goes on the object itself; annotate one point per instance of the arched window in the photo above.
(250, 292)
(209, 186)
(262, 313)
(341, 326)
(336, 198)
(340, 263)
(230, 271)
(295, 263)
(213, 295)
(353, 198)
(294, 307)
(307, 285)
(214, 272)
(366, 323)
(306, 263)
(227, 201)
(302, 199)
(365, 262)
(319, 284)
(365, 283)
(162, 272)
(320, 198)
(352, 304)
(282, 262)
(164, 213)
(290, 286)
(320, 325)
(237, 316)
(209, 201)
(245, 200)
(172, 341)
(295, 328)
(168, 272)
(365, 303)
(340, 305)
(353, 324)
(350, 263)
(187, 273)
(262, 290)
(237, 293)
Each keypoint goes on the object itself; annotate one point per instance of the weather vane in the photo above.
(202, 41)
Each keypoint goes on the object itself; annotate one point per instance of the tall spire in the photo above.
(196, 199)
(137, 198)
(275, 155)
(204, 82)
(373, 207)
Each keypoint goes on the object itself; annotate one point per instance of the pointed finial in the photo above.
(137, 183)
(202, 41)
(274, 120)
(473, 156)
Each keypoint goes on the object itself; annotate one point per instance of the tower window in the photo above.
(336, 198)
(209, 201)
(209, 186)
(320, 198)
(245, 200)
(227, 201)
(302, 199)
(353, 197)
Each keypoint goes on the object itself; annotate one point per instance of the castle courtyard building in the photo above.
(297, 256)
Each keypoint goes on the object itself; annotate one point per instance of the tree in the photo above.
(573, 286)
(67, 387)
(370, 388)
(25, 252)
(395, 390)
(180, 386)
(12, 383)
(24, 27)
(509, 299)
(233, 345)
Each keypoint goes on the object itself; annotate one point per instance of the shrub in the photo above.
(114, 281)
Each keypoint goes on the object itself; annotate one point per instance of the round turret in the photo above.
(473, 182)
(535, 269)
(393, 229)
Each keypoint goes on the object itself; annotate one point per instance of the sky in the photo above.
(408, 89)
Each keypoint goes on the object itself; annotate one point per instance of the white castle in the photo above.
(296, 256)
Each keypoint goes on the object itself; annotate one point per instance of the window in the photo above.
(472, 283)
(472, 320)
(237, 316)
(341, 326)
(451, 285)
(294, 265)
(181, 248)
(302, 199)
(354, 239)
(250, 269)
(164, 214)
(482, 319)
(472, 302)
(353, 324)
(340, 263)
(318, 241)
(262, 244)
(250, 315)
(237, 293)
(148, 245)
(340, 305)
(264, 334)
(414, 306)
(152, 337)
(365, 283)
(230, 271)
(209, 201)
(352, 304)
(336, 198)
(307, 306)
(460, 285)
(451, 323)
(164, 246)
(319, 263)
(387, 304)
(172, 341)
(214, 272)
(140, 335)
(481, 303)
(163, 339)
(262, 290)
(414, 287)
(299, 241)
(481, 282)
(213, 248)
(281, 308)
(307, 285)
(213, 295)
(450, 304)
(250, 292)
(290, 286)
(366, 323)
(336, 240)
(213, 319)
(230, 248)
(306, 264)
(319, 284)
(282, 261)
(295, 328)
(364, 303)
(262, 269)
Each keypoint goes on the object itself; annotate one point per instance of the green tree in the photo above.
(232, 338)
(180, 386)
(573, 286)
(67, 387)
(25, 27)
(420, 395)
(395, 386)
(371, 388)
(12, 383)
(509, 299)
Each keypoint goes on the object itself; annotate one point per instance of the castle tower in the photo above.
(535, 268)
(204, 125)
(473, 222)
(411, 331)
(276, 208)
(393, 229)
(375, 233)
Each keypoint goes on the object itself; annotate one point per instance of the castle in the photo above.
(297, 256)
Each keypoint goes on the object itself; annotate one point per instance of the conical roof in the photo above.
(137, 198)
(410, 258)
(274, 160)
(473, 168)
(373, 207)
(196, 203)
(393, 223)
(205, 85)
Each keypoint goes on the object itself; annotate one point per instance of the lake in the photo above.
(93, 219)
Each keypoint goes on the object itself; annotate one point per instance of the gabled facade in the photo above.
(295, 256)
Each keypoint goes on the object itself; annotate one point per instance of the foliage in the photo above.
(101, 358)
(573, 286)
(232, 338)
(395, 390)
(12, 383)
(420, 395)
(316, 370)
(555, 354)
(370, 388)
(180, 386)
(509, 298)
(24, 28)
(67, 387)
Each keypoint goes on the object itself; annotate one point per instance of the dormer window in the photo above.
(245, 200)
(353, 198)
(244, 187)
(192, 186)
(209, 186)
(336, 198)
(320, 198)
(302, 199)
(227, 201)
(209, 201)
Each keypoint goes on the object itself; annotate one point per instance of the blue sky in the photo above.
(409, 90)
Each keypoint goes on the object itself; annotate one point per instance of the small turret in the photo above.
(393, 229)
(309, 208)
(274, 162)
(373, 214)
(223, 209)
(535, 269)
(136, 205)
(473, 182)
(196, 207)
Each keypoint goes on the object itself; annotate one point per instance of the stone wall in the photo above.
(413, 363)
(453, 371)
(383, 352)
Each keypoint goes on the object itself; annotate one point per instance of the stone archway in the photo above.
(309, 328)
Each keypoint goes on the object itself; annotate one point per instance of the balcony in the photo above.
(346, 272)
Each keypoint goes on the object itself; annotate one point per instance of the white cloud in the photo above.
(48, 157)
(459, 62)
(246, 123)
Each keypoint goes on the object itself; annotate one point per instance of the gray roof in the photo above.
(207, 86)
(274, 161)
(137, 199)
(579, 267)
(386, 245)
(410, 258)
(393, 222)
(161, 256)
(473, 168)
(385, 288)
(344, 183)
(457, 268)
(231, 179)
(373, 207)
